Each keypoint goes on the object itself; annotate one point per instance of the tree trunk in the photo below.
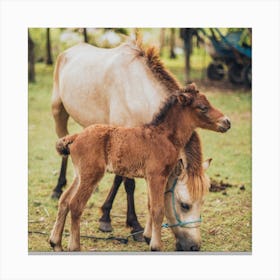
(85, 35)
(187, 63)
(186, 35)
(31, 60)
(49, 60)
(172, 43)
(161, 40)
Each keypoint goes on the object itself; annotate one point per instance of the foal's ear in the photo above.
(185, 99)
(192, 87)
(206, 163)
(179, 167)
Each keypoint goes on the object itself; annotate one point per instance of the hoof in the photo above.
(154, 249)
(56, 195)
(138, 236)
(105, 226)
(147, 239)
(56, 247)
(74, 249)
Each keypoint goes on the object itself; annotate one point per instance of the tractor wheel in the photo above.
(235, 73)
(247, 75)
(215, 71)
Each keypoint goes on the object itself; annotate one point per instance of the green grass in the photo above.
(226, 218)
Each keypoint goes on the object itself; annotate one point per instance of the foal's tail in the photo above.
(62, 145)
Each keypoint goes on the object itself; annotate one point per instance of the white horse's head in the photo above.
(183, 206)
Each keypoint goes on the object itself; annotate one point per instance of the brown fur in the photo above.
(62, 145)
(149, 151)
(156, 66)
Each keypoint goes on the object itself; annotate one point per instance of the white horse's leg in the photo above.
(105, 220)
(61, 118)
(131, 218)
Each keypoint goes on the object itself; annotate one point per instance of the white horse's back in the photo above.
(110, 86)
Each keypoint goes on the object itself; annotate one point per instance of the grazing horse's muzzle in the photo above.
(183, 245)
(224, 124)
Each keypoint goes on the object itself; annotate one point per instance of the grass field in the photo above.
(226, 216)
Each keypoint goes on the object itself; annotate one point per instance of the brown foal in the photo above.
(150, 151)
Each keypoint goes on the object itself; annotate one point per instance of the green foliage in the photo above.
(63, 38)
(226, 217)
(123, 31)
(38, 36)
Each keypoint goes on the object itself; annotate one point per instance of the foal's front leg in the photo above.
(156, 187)
(148, 227)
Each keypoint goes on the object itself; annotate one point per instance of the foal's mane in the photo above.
(159, 117)
(170, 101)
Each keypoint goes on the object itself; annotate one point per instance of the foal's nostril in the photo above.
(195, 248)
(224, 124)
(227, 121)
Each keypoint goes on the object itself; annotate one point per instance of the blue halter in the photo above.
(179, 222)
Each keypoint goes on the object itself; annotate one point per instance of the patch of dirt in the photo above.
(222, 186)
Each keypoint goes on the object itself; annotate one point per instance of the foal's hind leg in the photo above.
(78, 203)
(63, 209)
(131, 219)
(61, 117)
(105, 220)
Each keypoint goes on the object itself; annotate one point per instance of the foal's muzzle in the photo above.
(224, 124)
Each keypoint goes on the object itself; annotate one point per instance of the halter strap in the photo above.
(179, 222)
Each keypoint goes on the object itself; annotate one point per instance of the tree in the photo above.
(85, 35)
(186, 34)
(161, 40)
(31, 59)
(49, 60)
(172, 43)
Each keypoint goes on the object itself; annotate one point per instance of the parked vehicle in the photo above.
(231, 55)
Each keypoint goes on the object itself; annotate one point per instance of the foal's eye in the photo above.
(203, 109)
(185, 206)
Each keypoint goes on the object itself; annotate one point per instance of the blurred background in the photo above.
(215, 56)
